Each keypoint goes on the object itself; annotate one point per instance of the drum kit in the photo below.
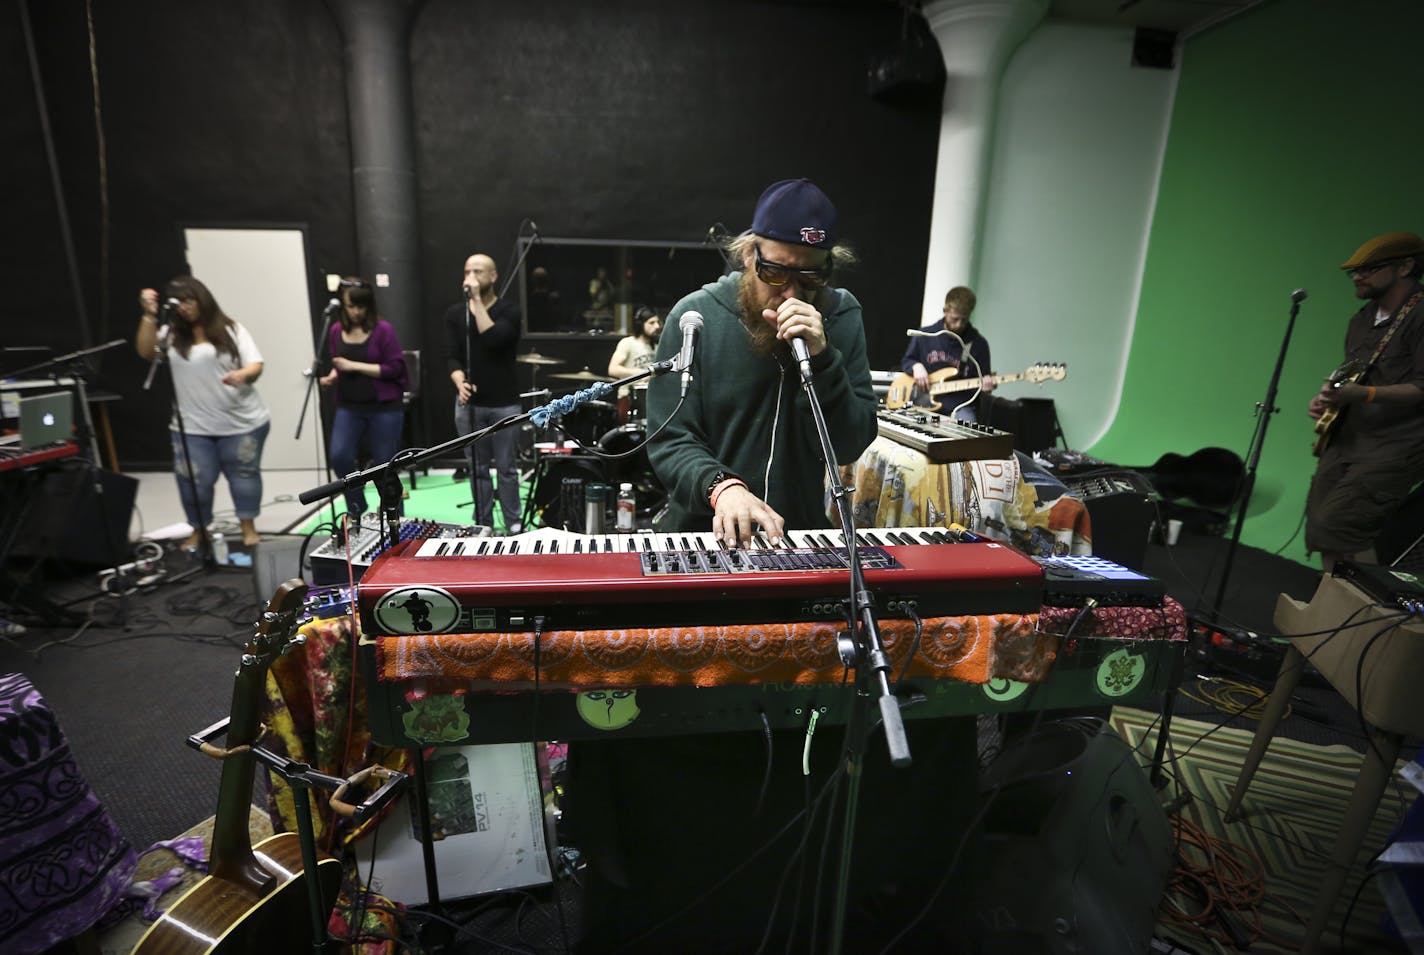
(599, 424)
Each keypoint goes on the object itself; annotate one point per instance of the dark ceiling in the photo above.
(1182, 17)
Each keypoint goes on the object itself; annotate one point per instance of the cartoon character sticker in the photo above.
(418, 609)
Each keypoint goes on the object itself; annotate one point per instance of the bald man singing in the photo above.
(482, 334)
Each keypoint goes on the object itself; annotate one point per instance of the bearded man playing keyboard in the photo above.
(741, 453)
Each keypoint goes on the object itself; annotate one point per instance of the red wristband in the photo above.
(717, 491)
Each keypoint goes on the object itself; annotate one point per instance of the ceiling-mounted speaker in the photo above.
(1154, 49)
(913, 71)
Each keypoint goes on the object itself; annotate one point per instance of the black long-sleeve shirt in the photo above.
(492, 369)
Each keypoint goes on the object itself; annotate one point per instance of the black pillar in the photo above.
(378, 103)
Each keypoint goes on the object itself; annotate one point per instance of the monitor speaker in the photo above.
(1122, 511)
(1032, 421)
(1076, 848)
(72, 520)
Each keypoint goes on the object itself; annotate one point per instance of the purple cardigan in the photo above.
(384, 349)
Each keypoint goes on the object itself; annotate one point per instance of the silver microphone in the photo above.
(1298, 296)
(803, 356)
(171, 302)
(690, 324)
(468, 293)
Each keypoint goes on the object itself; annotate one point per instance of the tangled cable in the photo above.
(1217, 890)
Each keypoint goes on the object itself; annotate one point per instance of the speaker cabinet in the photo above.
(557, 492)
(69, 519)
(1121, 509)
(1076, 848)
(1032, 421)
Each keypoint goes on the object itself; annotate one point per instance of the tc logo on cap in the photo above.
(812, 236)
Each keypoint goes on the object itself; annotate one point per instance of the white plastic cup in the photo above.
(1174, 529)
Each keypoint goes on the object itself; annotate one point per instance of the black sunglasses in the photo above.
(775, 274)
(1363, 270)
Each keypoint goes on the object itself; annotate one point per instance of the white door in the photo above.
(259, 277)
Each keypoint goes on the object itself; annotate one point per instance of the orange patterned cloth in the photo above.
(974, 649)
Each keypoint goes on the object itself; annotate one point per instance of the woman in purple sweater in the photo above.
(369, 376)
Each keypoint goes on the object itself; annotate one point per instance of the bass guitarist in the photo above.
(1370, 416)
(933, 350)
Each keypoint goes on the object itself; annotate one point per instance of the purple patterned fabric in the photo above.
(63, 861)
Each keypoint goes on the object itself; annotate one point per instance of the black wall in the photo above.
(636, 119)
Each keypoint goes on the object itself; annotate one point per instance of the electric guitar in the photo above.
(254, 898)
(1348, 373)
(903, 391)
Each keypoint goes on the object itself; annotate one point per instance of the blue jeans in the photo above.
(504, 447)
(238, 457)
(382, 430)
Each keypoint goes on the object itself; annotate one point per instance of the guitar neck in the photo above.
(969, 384)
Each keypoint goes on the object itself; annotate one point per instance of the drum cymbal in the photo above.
(584, 375)
(534, 358)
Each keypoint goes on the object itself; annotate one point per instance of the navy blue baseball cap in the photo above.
(796, 210)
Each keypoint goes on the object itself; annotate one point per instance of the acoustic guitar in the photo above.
(1347, 374)
(255, 899)
(903, 391)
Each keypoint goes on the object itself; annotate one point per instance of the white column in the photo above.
(976, 39)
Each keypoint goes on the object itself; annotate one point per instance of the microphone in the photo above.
(690, 324)
(170, 302)
(1298, 296)
(332, 306)
(468, 293)
(803, 356)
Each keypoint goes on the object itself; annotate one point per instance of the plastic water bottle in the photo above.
(220, 545)
(627, 509)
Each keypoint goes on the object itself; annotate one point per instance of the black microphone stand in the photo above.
(866, 653)
(386, 475)
(1264, 410)
(469, 408)
(321, 350)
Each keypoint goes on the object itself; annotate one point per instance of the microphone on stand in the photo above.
(468, 293)
(803, 357)
(690, 324)
(332, 306)
(1298, 296)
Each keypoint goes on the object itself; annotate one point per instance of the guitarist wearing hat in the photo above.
(1370, 414)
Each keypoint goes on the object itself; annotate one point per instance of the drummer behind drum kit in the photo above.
(595, 424)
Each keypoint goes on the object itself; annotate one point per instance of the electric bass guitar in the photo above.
(904, 392)
(1347, 374)
(254, 898)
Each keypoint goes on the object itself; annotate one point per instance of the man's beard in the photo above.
(761, 332)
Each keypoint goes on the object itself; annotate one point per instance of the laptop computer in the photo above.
(46, 420)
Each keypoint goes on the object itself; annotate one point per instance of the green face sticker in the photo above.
(1001, 690)
(437, 719)
(1120, 673)
(608, 709)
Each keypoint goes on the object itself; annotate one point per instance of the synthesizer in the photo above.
(14, 458)
(943, 439)
(653, 580)
(328, 562)
(1069, 580)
